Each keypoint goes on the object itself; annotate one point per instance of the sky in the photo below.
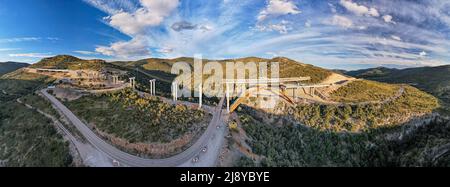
(335, 34)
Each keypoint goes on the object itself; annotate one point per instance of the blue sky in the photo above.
(346, 34)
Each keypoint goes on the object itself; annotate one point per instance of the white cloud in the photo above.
(228, 34)
(113, 7)
(31, 55)
(27, 39)
(52, 38)
(418, 12)
(388, 19)
(272, 54)
(423, 53)
(332, 7)
(22, 39)
(308, 23)
(165, 49)
(137, 47)
(9, 49)
(85, 52)
(206, 28)
(151, 14)
(283, 27)
(278, 8)
(396, 37)
(340, 21)
(135, 22)
(359, 9)
(270, 44)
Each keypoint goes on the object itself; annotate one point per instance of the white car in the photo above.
(195, 160)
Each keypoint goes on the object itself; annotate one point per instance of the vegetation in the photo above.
(28, 138)
(138, 120)
(359, 117)
(25, 76)
(365, 91)
(19, 83)
(6, 67)
(371, 73)
(40, 103)
(358, 134)
(292, 145)
(163, 83)
(288, 67)
(434, 80)
(69, 62)
(160, 69)
(15, 88)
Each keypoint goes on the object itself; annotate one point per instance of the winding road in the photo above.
(212, 138)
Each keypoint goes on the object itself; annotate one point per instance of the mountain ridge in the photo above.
(434, 80)
(6, 67)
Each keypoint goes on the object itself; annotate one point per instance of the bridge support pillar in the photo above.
(115, 79)
(153, 87)
(175, 91)
(133, 82)
(228, 98)
(200, 98)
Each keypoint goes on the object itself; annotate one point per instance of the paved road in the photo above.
(213, 149)
(126, 159)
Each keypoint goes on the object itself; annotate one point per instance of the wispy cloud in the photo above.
(21, 39)
(52, 38)
(9, 49)
(326, 33)
(27, 39)
(32, 55)
(85, 52)
(113, 6)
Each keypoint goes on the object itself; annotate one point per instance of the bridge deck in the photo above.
(265, 80)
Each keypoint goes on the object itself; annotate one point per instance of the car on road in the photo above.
(195, 160)
(204, 149)
(116, 163)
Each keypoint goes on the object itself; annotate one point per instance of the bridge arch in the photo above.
(257, 89)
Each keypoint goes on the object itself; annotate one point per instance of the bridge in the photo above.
(270, 87)
(267, 87)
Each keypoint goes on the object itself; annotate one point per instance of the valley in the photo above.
(328, 119)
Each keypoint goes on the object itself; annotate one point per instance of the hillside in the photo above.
(28, 138)
(291, 145)
(434, 80)
(68, 62)
(145, 126)
(288, 67)
(372, 72)
(352, 131)
(364, 91)
(6, 67)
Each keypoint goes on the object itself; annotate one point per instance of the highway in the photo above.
(126, 159)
